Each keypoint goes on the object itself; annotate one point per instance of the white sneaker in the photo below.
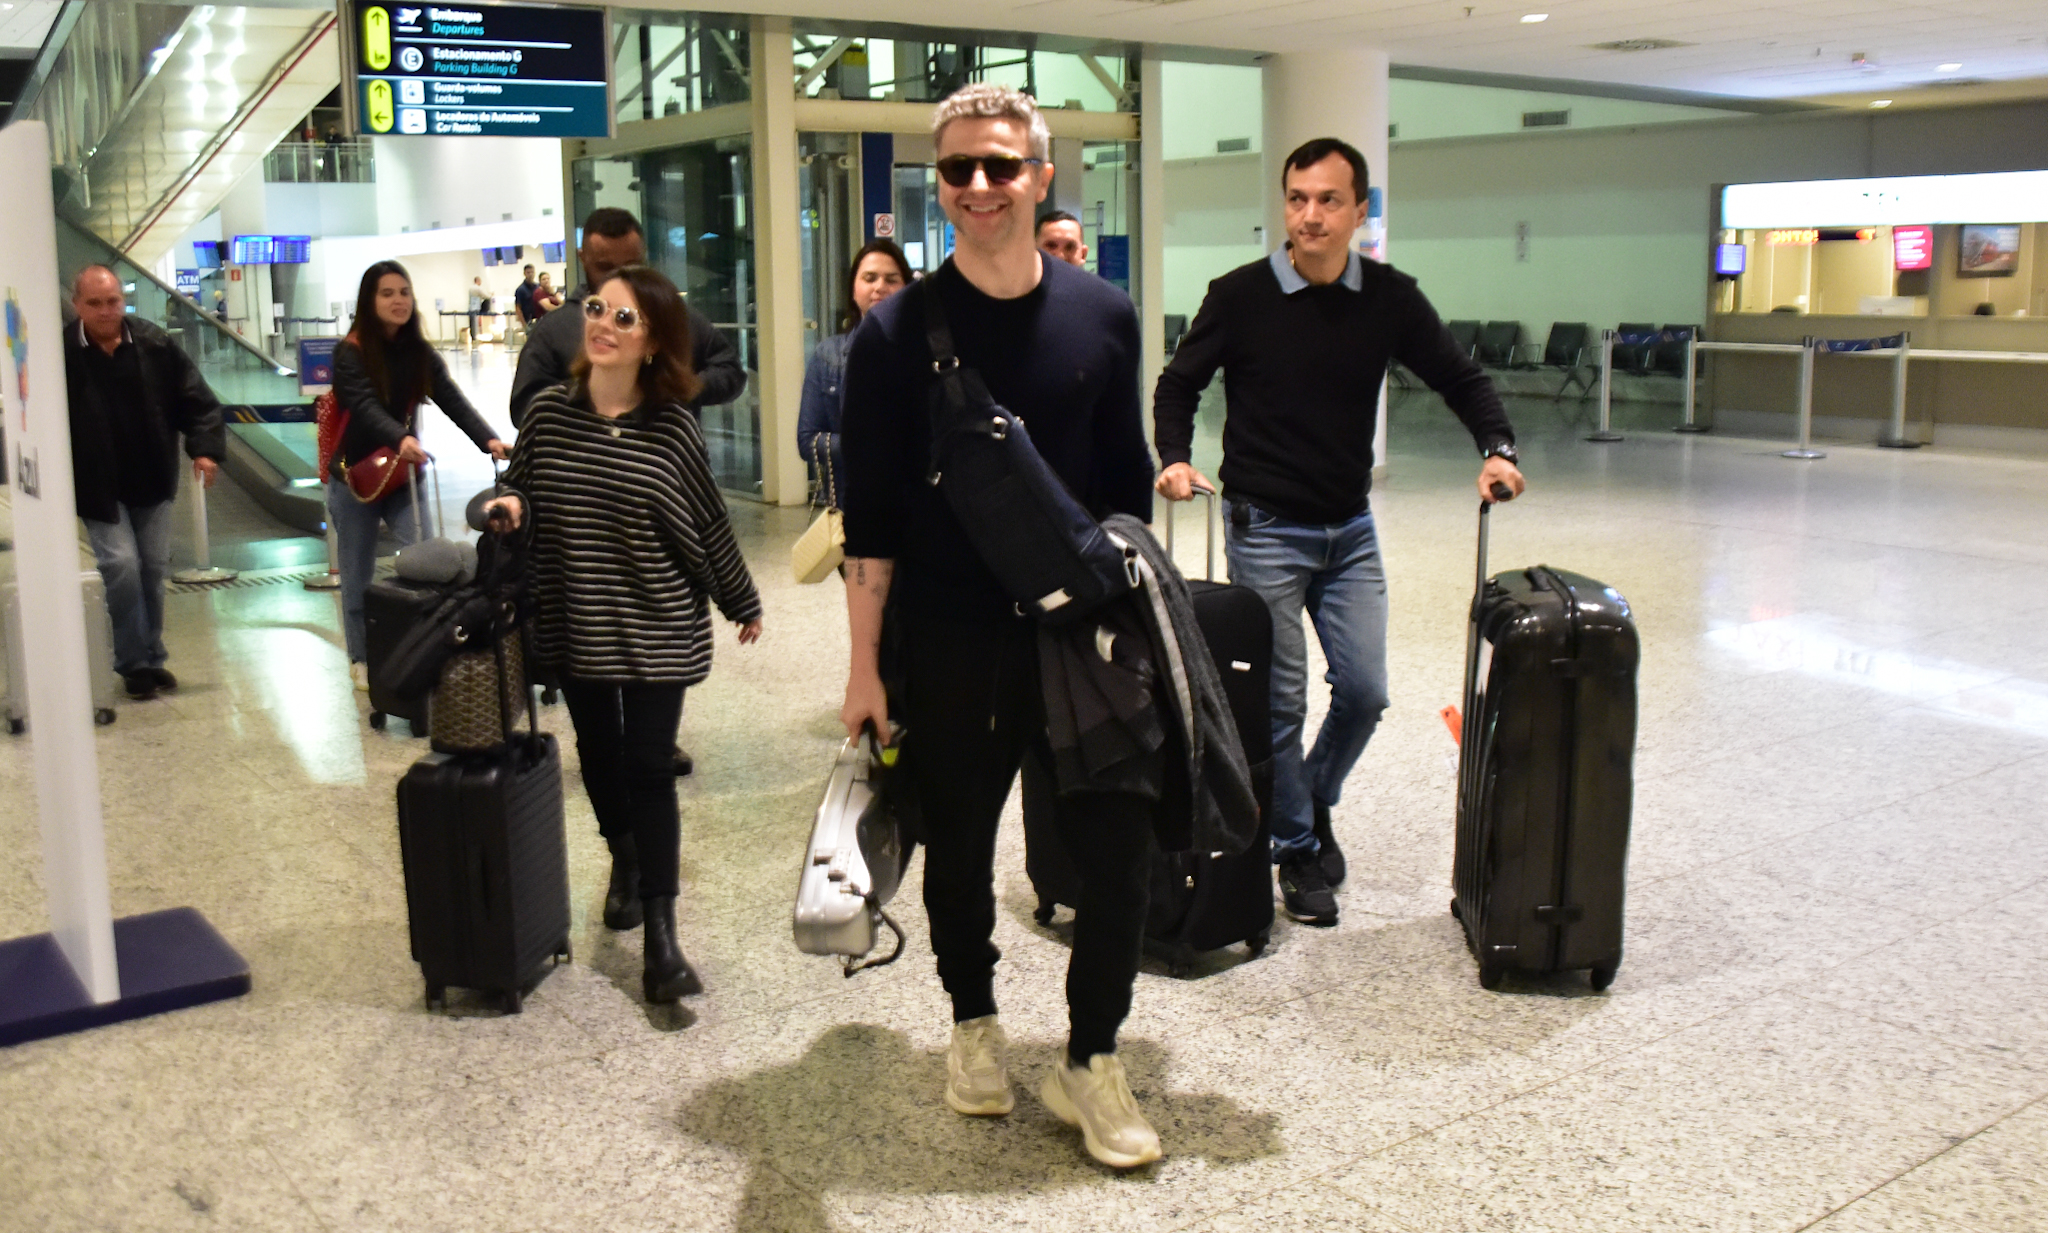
(1099, 1101)
(977, 1069)
(359, 672)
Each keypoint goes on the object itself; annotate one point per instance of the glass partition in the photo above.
(835, 62)
(665, 64)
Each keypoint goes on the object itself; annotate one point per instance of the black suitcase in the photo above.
(1201, 901)
(391, 606)
(1545, 773)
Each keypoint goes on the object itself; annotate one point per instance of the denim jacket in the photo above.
(818, 414)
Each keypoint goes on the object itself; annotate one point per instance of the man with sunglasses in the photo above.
(1059, 348)
(1304, 339)
(612, 240)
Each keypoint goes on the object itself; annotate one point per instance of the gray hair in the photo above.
(987, 101)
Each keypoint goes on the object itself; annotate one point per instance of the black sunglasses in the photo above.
(626, 320)
(958, 169)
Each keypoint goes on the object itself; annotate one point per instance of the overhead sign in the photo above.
(1912, 248)
(485, 70)
(885, 226)
(1984, 197)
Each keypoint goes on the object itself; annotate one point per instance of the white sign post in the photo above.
(89, 969)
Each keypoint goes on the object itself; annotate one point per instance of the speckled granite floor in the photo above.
(1830, 1015)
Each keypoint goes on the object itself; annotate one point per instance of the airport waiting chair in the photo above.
(1568, 350)
(1500, 345)
(1176, 329)
(1465, 334)
(1668, 357)
(1633, 343)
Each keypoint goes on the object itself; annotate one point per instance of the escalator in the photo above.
(272, 447)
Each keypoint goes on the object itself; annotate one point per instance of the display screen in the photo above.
(1912, 248)
(291, 249)
(206, 253)
(1989, 252)
(1731, 259)
(552, 253)
(489, 70)
(490, 257)
(250, 250)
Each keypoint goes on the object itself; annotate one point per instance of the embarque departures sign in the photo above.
(478, 70)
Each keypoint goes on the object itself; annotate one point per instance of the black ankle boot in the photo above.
(622, 897)
(1328, 855)
(669, 976)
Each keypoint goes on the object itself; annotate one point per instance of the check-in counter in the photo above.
(1955, 402)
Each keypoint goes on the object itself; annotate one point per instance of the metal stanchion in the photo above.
(1805, 449)
(204, 571)
(1897, 440)
(1692, 350)
(1606, 430)
(331, 580)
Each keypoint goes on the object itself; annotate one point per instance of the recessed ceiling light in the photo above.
(1530, 19)
(1946, 68)
(1882, 102)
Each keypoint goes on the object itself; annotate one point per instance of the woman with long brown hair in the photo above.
(879, 271)
(630, 547)
(383, 371)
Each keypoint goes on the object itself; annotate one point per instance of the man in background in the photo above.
(133, 392)
(1059, 235)
(522, 298)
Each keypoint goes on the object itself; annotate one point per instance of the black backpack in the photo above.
(1048, 553)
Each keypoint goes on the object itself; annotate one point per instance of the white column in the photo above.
(779, 292)
(1151, 278)
(1342, 93)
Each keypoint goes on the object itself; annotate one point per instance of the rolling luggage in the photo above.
(1545, 773)
(1201, 901)
(99, 653)
(486, 863)
(855, 862)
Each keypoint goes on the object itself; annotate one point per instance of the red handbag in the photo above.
(371, 478)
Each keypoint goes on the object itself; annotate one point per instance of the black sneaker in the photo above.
(141, 685)
(685, 765)
(163, 678)
(1305, 892)
(1328, 854)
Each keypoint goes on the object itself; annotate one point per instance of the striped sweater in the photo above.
(631, 542)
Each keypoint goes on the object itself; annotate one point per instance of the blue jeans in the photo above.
(355, 539)
(134, 556)
(1334, 572)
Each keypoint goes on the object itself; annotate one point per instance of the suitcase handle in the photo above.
(1209, 523)
(1501, 492)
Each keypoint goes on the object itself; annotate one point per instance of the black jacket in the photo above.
(554, 342)
(374, 424)
(178, 401)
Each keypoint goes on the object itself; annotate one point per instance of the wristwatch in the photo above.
(1504, 450)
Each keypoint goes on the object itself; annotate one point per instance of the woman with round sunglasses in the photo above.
(383, 371)
(630, 547)
(879, 271)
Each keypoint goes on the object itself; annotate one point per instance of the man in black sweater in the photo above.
(1304, 339)
(1059, 348)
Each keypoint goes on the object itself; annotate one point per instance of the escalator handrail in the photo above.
(198, 311)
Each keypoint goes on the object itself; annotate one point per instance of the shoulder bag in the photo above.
(822, 546)
(1050, 555)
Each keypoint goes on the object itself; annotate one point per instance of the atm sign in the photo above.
(1912, 248)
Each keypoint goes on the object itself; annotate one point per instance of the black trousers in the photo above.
(972, 703)
(626, 740)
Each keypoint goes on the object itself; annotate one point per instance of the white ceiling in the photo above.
(1737, 47)
(23, 23)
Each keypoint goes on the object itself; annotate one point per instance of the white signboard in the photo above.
(1986, 197)
(33, 398)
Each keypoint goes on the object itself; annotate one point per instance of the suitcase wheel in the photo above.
(1258, 942)
(16, 726)
(565, 954)
(513, 1002)
(437, 996)
(549, 695)
(1603, 976)
(1490, 975)
(377, 720)
(103, 716)
(1455, 914)
(1043, 912)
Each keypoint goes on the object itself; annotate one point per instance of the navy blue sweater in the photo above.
(1063, 357)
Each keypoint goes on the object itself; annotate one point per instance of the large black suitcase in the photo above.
(486, 868)
(1201, 901)
(391, 607)
(1545, 773)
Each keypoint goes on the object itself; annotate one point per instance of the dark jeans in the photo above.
(626, 739)
(972, 703)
